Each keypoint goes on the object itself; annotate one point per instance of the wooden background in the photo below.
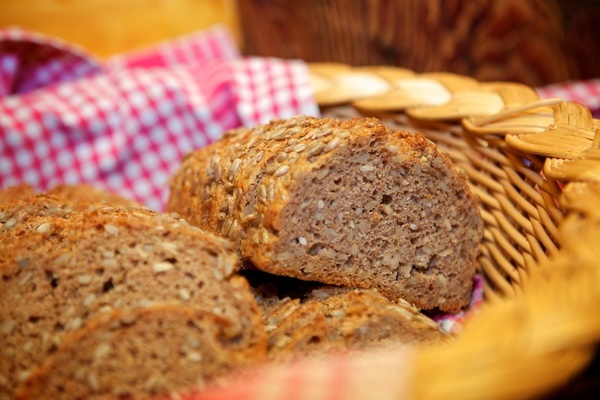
(107, 27)
(530, 41)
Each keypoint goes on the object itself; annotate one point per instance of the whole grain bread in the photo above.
(307, 319)
(139, 353)
(83, 264)
(22, 209)
(341, 202)
(83, 196)
(16, 192)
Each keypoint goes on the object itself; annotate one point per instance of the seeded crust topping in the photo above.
(349, 320)
(309, 319)
(60, 269)
(97, 293)
(138, 353)
(340, 202)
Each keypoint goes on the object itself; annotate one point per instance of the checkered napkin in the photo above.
(124, 124)
(584, 92)
(380, 375)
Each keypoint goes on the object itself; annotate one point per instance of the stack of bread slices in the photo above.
(298, 238)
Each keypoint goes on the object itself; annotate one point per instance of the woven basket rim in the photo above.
(533, 163)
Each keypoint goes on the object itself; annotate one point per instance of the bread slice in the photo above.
(86, 263)
(23, 210)
(136, 354)
(81, 197)
(75, 197)
(16, 192)
(44, 216)
(299, 330)
(340, 202)
(307, 319)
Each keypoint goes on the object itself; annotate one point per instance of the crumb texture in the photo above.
(308, 319)
(138, 353)
(340, 202)
(67, 263)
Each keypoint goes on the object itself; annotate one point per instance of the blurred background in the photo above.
(536, 42)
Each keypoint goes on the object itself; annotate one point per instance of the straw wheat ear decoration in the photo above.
(585, 167)
(520, 119)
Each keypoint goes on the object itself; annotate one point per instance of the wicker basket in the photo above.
(534, 165)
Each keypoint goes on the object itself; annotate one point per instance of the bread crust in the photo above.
(86, 263)
(139, 353)
(331, 320)
(403, 220)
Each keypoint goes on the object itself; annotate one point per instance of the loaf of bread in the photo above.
(350, 320)
(16, 192)
(22, 209)
(340, 202)
(103, 298)
(135, 354)
(61, 269)
(308, 319)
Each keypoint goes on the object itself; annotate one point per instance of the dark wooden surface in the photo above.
(531, 41)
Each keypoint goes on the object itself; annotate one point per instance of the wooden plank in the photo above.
(534, 42)
(107, 27)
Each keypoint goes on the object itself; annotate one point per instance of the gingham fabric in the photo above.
(124, 125)
(381, 375)
(586, 93)
(30, 61)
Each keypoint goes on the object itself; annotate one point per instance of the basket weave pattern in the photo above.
(533, 163)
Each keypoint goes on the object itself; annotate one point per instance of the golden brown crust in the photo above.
(321, 320)
(61, 268)
(139, 353)
(417, 226)
(81, 197)
(23, 210)
(16, 192)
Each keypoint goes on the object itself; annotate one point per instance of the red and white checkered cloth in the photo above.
(124, 125)
(379, 374)
(584, 92)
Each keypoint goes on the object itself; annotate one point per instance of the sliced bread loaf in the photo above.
(108, 259)
(341, 202)
(23, 210)
(136, 354)
(310, 320)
